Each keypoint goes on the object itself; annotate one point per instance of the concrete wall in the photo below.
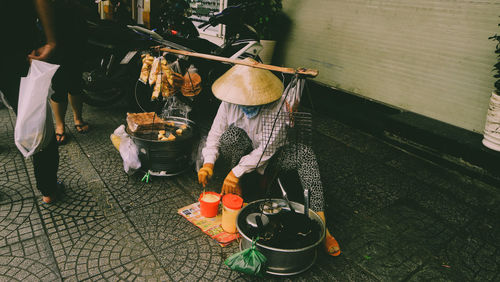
(432, 57)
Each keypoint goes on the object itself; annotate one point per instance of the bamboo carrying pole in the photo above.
(299, 71)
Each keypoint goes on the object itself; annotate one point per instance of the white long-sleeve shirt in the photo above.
(230, 114)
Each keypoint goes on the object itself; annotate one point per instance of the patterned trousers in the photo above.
(235, 143)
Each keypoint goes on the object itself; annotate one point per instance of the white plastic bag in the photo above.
(128, 151)
(34, 125)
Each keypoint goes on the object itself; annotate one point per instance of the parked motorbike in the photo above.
(115, 48)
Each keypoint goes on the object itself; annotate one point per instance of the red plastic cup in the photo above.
(209, 207)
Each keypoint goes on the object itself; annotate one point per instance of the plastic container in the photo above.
(209, 204)
(231, 206)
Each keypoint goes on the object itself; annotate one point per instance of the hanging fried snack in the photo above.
(155, 69)
(179, 131)
(172, 82)
(192, 84)
(183, 127)
(165, 89)
(147, 61)
(157, 88)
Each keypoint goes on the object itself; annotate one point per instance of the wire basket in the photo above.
(285, 128)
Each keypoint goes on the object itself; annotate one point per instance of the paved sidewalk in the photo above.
(397, 217)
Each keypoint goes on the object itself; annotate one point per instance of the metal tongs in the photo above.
(285, 196)
(306, 199)
(306, 229)
(306, 202)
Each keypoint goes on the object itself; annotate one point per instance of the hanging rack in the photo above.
(299, 71)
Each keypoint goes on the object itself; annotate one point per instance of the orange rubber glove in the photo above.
(205, 173)
(231, 185)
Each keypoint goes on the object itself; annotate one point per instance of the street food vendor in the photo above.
(236, 134)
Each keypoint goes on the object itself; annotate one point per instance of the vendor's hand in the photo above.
(205, 173)
(43, 53)
(231, 185)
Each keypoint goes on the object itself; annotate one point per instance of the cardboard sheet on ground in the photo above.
(210, 226)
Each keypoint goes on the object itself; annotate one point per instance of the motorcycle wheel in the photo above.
(102, 98)
(107, 91)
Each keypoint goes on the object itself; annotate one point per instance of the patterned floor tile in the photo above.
(340, 268)
(14, 187)
(336, 160)
(356, 139)
(197, 259)
(84, 248)
(83, 200)
(85, 195)
(188, 183)
(138, 193)
(421, 169)
(436, 271)
(143, 269)
(395, 242)
(161, 226)
(486, 228)
(19, 220)
(29, 260)
(444, 205)
(11, 160)
(471, 258)
(362, 197)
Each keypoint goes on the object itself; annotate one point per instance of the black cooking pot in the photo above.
(282, 260)
(167, 158)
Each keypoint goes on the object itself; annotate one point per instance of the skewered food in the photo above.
(157, 88)
(155, 69)
(147, 62)
(171, 81)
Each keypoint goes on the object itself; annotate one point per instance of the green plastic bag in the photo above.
(249, 261)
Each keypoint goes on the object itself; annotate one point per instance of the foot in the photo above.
(57, 194)
(82, 127)
(47, 199)
(61, 138)
(331, 246)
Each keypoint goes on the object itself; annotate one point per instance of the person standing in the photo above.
(20, 46)
(71, 33)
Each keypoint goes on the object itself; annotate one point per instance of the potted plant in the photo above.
(492, 126)
(268, 19)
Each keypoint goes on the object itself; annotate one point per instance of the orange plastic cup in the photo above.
(209, 204)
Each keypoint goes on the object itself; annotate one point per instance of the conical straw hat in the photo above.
(248, 86)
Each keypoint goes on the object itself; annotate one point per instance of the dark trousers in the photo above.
(45, 162)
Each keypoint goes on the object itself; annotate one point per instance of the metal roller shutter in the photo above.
(431, 57)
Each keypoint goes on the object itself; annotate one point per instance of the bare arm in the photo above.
(46, 16)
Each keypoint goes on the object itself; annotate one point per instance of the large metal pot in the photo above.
(281, 261)
(167, 158)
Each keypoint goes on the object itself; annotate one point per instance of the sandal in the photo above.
(61, 138)
(56, 195)
(82, 127)
(330, 245)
